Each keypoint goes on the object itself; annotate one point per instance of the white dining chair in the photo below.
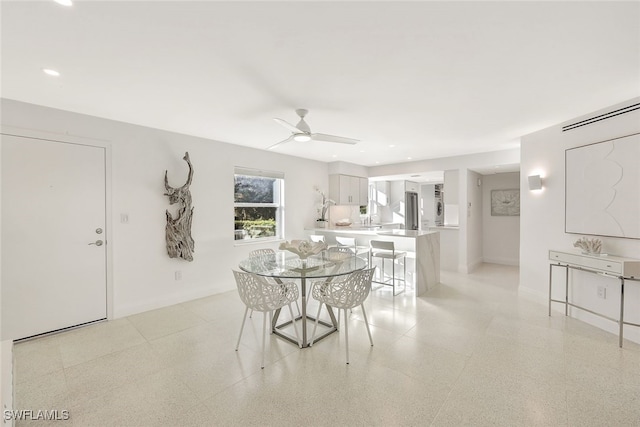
(343, 295)
(265, 252)
(387, 251)
(317, 238)
(266, 255)
(259, 295)
(335, 254)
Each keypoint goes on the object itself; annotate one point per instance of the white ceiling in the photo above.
(435, 79)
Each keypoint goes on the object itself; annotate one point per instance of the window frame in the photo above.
(278, 203)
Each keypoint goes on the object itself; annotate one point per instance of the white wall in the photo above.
(474, 214)
(469, 161)
(542, 219)
(345, 168)
(500, 234)
(384, 211)
(396, 197)
(143, 273)
(428, 206)
(451, 197)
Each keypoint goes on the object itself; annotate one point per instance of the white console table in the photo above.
(619, 268)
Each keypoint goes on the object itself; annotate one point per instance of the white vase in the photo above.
(321, 224)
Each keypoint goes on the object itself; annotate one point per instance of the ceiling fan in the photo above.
(302, 132)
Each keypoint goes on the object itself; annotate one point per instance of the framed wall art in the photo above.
(602, 181)
(505, 202)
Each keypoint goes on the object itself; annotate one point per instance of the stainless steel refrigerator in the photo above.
(410, 210)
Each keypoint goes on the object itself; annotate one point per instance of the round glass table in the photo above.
(325, 266)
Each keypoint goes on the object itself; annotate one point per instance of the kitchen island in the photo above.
(422, 247)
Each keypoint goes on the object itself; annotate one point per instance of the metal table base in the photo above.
(276, 329)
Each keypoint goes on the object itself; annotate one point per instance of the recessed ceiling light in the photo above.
(391, 146)
(408, 158)
(64, 2)
(335, 155)
(377, 163)
(362, 151)
(51, 72)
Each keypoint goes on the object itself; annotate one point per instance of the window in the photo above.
(258, 204)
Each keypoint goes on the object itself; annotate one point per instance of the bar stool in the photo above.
(386, 250)
(350, 242)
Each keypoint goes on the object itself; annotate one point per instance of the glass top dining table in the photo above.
(283, 265)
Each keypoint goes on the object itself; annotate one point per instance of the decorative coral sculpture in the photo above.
(303, 248)
(589, 246)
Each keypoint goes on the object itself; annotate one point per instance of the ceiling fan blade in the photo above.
(281, 142)
(332, 138)
(288, 125)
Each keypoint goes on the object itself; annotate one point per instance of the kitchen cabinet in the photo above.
(349, 190)
(364, 192)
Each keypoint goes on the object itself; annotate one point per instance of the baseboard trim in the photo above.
(177, 298)
(502, 261)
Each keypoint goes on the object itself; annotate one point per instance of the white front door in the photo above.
(53, 235)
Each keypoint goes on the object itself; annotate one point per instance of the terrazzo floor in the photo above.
(472, 352)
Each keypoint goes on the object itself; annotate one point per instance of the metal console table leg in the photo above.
(620, 321)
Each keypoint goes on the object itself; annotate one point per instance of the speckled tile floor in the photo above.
(471, 352)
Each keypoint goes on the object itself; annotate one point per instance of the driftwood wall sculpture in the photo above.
(180, 244)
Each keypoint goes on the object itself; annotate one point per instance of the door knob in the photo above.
(97, 243)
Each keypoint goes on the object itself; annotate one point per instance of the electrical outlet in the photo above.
(178, 275)
(602, 292)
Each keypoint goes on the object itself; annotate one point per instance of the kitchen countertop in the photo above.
(422, 249)
(404, 233)
(357, 226)
(373, 231)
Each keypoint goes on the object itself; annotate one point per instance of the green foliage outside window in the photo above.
(256, 207)
(257, 222)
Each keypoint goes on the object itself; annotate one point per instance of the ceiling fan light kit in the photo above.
(302, 137)
(302, 132)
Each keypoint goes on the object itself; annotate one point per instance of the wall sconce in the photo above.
(535, 182)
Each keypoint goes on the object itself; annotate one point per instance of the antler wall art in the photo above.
(180, 244)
